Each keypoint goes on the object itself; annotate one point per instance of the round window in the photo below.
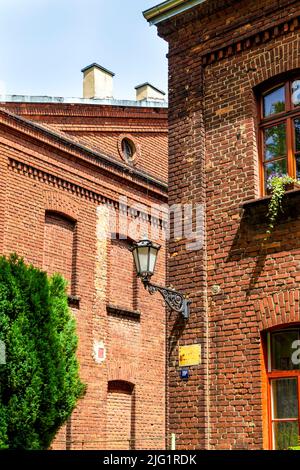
(128, 149)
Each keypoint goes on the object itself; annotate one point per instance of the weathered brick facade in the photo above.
(61, 178)
(240, 285)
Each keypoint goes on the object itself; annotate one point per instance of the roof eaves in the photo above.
(168, 9)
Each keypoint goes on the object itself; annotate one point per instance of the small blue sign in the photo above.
(184, 374)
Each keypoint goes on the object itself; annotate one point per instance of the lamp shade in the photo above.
(145, 255)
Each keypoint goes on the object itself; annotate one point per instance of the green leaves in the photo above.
(277, 185)
(39, 384)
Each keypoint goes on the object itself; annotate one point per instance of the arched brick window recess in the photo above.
(121, 269)
(281, 386)
(120, 415)
(60, 247)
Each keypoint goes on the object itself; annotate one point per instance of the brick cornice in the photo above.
(85, 111)
(246, 42)
(54, 181)
(109, 128)
(66, 144)
(233, 38)
(204, 10)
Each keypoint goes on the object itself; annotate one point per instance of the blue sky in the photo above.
(44, 44)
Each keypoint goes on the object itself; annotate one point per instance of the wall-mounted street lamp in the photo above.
(145, 254)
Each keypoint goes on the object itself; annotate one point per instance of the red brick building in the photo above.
(76, 177)
(234, 114)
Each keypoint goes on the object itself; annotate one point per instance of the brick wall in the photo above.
(239, 285)
(121, 271)
(40, 174)
(120, 416)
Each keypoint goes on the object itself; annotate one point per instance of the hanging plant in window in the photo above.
(277, 185)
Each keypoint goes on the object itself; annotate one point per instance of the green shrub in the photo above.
(39, 383)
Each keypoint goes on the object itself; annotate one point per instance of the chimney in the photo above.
(97, 82)
(148, 92)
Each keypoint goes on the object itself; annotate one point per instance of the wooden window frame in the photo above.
(291, 112)
(278, 374)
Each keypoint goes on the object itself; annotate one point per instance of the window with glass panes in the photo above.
(280, 131)
(283, 369)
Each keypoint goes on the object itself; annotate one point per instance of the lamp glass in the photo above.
(136, 260)
(152, 259)
(143, 255)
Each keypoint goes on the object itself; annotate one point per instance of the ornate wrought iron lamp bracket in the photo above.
(175, 300)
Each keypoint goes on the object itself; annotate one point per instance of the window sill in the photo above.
(116, 311)
(74, 301)
(254, 211)
(264, 201)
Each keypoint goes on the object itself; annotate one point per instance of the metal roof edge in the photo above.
(93, 101)
(152, 86)
(94, 64)
(168, 9)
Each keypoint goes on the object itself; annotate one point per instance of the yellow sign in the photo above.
(190, 355)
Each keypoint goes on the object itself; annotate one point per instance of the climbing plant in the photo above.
(277, 185)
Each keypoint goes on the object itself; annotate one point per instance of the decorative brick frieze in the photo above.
(80, 191)
(248, 42)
